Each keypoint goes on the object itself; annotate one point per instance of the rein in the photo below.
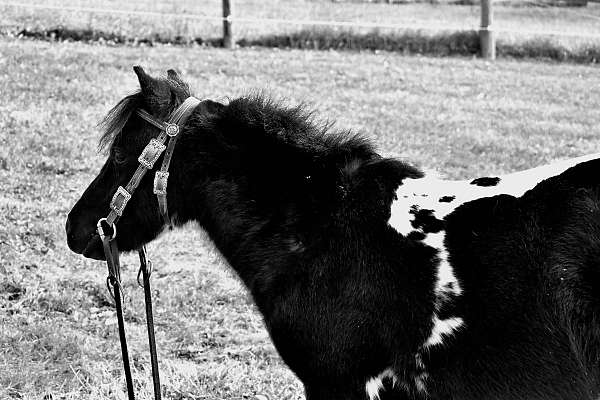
(165, 142)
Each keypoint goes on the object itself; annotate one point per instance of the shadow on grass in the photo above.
(452, 43)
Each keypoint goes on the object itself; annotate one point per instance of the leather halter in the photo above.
(169, 134)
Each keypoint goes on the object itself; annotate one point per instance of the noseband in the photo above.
(165, 142)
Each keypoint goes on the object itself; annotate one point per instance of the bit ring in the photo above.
(100, 229)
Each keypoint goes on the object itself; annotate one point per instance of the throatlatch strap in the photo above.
(162, 195)
(179, 117)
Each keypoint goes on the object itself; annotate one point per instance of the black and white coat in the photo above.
(517, 284)
(373, 278)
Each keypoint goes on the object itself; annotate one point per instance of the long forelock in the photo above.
(115, 120)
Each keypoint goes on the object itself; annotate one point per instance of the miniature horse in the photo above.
(375, 280)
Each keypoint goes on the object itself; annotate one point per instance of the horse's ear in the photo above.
(147, 83)
(156, 92)
(173, 75)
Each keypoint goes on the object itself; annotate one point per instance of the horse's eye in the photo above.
(118, 155)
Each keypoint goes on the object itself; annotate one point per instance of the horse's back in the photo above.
(529, 267)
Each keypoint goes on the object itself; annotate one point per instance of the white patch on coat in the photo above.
(441, 328)
(421, 376)
(375, 384)
(420, 381)
(446, 281)
(425, 193)
(419, 362)
(517, 183)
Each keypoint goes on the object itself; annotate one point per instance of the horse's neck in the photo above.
(236, 227)
(443, 196)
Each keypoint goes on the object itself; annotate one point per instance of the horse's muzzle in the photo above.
(87, 244)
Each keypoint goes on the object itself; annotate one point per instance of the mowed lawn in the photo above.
(58, 330)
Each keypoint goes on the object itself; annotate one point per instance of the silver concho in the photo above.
(172, 129)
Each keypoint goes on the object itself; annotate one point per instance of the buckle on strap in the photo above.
(172, 129)
(119, 200)
(151, 152)
(160, 183)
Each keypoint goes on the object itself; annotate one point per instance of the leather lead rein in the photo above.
(166, 140)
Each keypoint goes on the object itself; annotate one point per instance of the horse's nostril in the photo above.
(74, 240)
(68, 227)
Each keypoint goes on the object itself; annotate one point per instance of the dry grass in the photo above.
(58, 333)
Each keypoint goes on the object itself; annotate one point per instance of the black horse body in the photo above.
(302, 215)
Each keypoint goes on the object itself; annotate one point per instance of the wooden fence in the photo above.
(486, 29)
(486, 34)
(487, 40)
(228, 39)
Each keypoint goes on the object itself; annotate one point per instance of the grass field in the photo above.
(58, 335)
(429, 17)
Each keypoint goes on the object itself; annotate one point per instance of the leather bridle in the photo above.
(107, 228)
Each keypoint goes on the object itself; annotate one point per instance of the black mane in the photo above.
(296, 126)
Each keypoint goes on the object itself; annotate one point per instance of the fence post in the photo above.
(487, 40)
(228, 40)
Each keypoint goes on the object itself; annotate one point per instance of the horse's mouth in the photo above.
(94, 249)
(83, 241)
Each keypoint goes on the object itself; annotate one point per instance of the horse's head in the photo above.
(126, 135)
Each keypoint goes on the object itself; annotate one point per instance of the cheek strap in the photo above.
(161, 177)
